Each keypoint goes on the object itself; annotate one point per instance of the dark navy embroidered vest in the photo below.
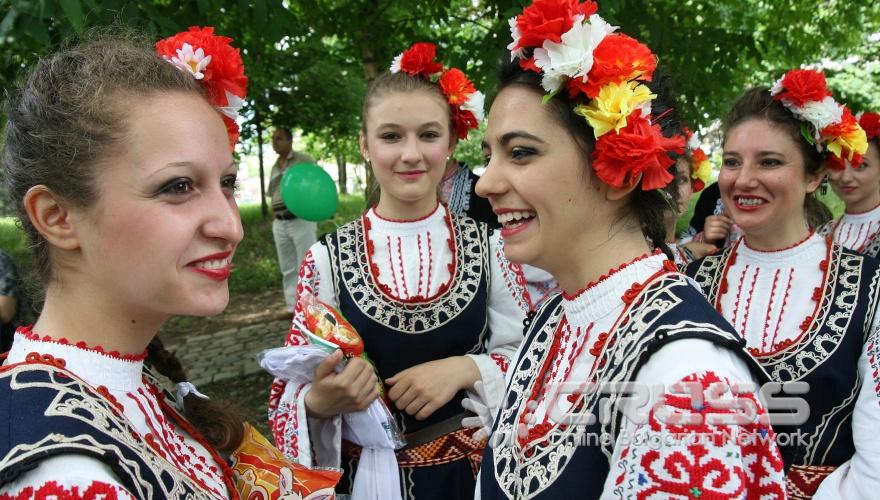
(48, 411)
(825, 356)
(573, 462)
(397, 334)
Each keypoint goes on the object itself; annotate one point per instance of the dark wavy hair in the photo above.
(647, 207)
(757, 103)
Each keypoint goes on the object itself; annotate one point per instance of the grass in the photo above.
(256, 262)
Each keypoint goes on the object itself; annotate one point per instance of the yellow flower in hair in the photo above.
(853, 142)
(615, 102)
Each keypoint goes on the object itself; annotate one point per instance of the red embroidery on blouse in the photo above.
(607, 275)
(28, 333)
(224, 471)
(54, 491)
(501, 361)
(384, 289)
(537, 432)
(777, 250)
(722, 420)
(417, 219)
(45, 359)
(805, 324)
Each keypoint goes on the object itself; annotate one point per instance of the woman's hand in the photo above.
(716, 228)
(422, 389)
(333, 393)
(700, 250)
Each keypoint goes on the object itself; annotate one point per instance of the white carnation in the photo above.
(822, 113)
(573, 57)
(474, 104)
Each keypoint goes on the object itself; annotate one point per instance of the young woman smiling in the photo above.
(120, 168)
(578, 157)
(805, 306)
(859, 187)
(430, 292)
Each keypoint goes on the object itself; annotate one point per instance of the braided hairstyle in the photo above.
(67, 115)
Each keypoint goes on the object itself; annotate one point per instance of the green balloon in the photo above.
(309, 192)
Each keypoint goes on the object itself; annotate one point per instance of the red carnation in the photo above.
(801, 86)
(639, 150)
(463, 121)
(871, 123)
(835, 163)
(418, 60)
(845, 126)
(226, 70)
(223, 74)
(618, 58)
(529, 65)
(698, 156)
(697, 185)
(549, 19)
(456, 86)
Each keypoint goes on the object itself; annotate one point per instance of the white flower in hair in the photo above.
(395, 63)
(777, 87)
(194, 61)
(474, 104)
(573, 58)
(821, 113)
(693, 143)
(515, 52)
(233, 104)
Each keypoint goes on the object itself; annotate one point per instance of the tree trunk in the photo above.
(371, 71)
(342, 174)
(264, 207)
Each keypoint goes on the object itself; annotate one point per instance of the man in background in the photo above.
(293, 236)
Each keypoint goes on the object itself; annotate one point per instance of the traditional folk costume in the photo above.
(416, 291)
(808, 313)
(81, 423)
(642, 323)
(859, 232)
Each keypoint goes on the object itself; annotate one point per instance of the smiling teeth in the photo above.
(751, 202)
(213, 264)
(509, 217)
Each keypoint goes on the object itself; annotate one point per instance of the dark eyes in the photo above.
(394, 136)
(184, 186)
(521, 153)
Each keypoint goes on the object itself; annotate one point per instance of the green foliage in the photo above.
(309, 61)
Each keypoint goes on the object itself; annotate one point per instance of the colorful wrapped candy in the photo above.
(260, 472)
(326, 327)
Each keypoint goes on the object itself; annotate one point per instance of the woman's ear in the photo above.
(51, 216)
(362, 144)
(616, 194)
(815, 180)
(453, 142)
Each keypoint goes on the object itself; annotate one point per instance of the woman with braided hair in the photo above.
(119, 165)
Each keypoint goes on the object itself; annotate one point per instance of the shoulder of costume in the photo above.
(49, 411)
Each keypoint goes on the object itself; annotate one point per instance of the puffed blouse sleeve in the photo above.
(859, 477)
(306, 440)
(506, 309)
